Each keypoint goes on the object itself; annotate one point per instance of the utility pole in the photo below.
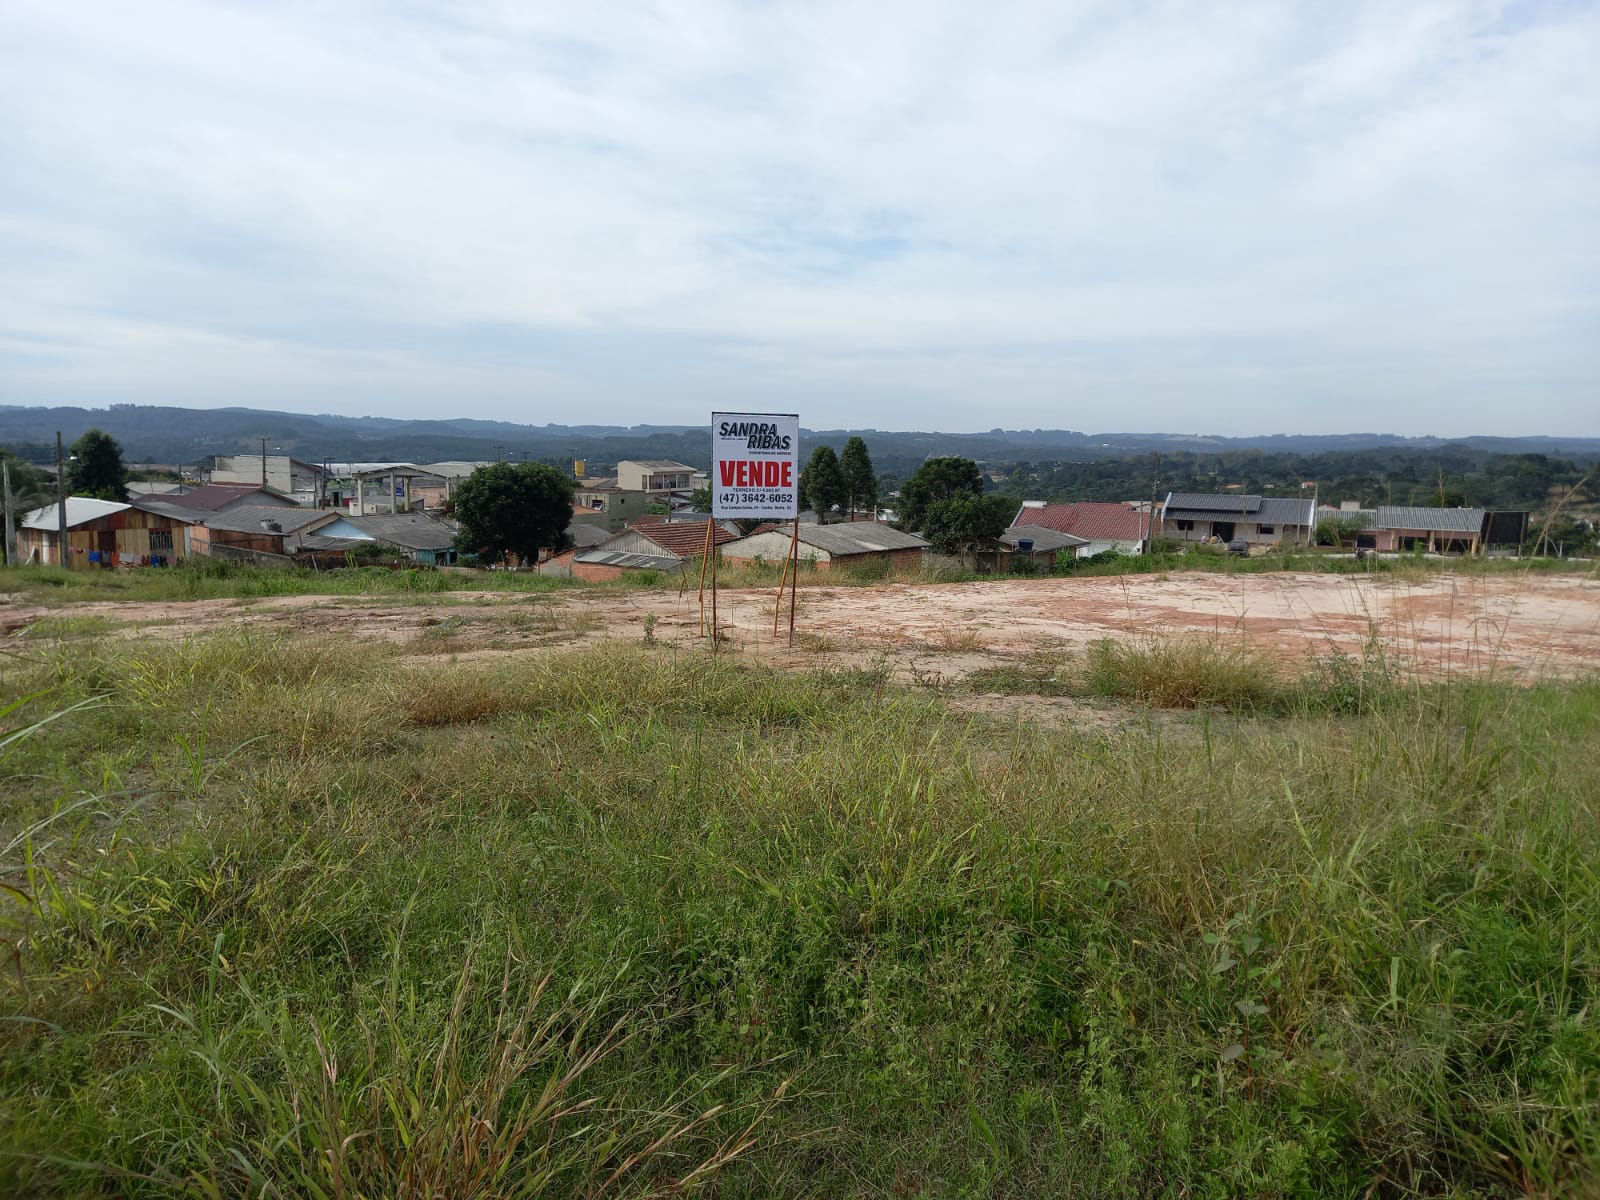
(5, 495)
(1150, 517)
(263, 462)
(61, 507)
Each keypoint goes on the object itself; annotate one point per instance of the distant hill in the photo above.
(151, 433)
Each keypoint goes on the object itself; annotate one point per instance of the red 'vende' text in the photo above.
(761, 473)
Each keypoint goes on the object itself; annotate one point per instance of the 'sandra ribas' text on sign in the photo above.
(755, 465)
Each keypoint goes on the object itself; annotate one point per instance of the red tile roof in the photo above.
(684, 538)
(1095, 520)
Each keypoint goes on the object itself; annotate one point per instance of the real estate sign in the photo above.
(755, 465)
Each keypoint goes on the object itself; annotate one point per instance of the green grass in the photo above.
(293, 917)
(1207, 672)
(209, 579)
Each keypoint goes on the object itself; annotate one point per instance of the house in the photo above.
(1413, 527)
(828, 546)
(663, 547)
(100, 533)
(1258, 520)
(300, 480)
(583, 537)
(257, 533)
(1103, 526)
(1439, 530)
(655, 476)
(611, 508)
(183, 520)
(1038, 544)
(424, 539)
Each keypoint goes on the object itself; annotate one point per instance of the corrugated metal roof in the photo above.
(455, 468)
(258, 518)
(1281, 511)
(1269, 510)
(618, 558)
(80, 511)
(364, 468)
(858, 537)
(1204, 502)
(214, 497)
(317, 541)
(655, 464)
(584, 536)
(410, 530)
(161, 506)
(1043, 538)
(1434, 520)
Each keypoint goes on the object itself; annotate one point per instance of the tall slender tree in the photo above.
(860, 484)
(823, 482)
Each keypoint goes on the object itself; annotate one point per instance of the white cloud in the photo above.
(1249, 218)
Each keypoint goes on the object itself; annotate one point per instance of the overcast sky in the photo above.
(1231, 218)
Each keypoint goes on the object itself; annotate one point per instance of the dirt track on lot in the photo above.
(1525, 626)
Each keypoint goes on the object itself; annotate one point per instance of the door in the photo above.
(1223, 530)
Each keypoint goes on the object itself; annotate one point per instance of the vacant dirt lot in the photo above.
(1526, 626)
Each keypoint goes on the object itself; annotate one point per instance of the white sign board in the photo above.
(755, 465)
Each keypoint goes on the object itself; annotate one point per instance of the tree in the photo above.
(822, 482)
(965, 524)
(937, 479)
(700, 499)
(1336, 531)
(513, 508)
(860, 485)
(96, 468)
(30, 487)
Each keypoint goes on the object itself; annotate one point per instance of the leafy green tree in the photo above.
(860, 484)
(937, 479)
(1336, 531)
(513, 508)
(1562, 536)
(966, 524)
(96, 469)
(30, 487)
(700, 499)
(822, 482)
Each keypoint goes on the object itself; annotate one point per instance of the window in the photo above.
(1269, 529)
(1185, 526)
(161, 541)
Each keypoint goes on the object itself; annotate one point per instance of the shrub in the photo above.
(1187, 673)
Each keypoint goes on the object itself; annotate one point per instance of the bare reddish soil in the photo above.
(1525, 626)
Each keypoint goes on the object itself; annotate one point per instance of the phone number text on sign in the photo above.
(755, 465)
(742, 498)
